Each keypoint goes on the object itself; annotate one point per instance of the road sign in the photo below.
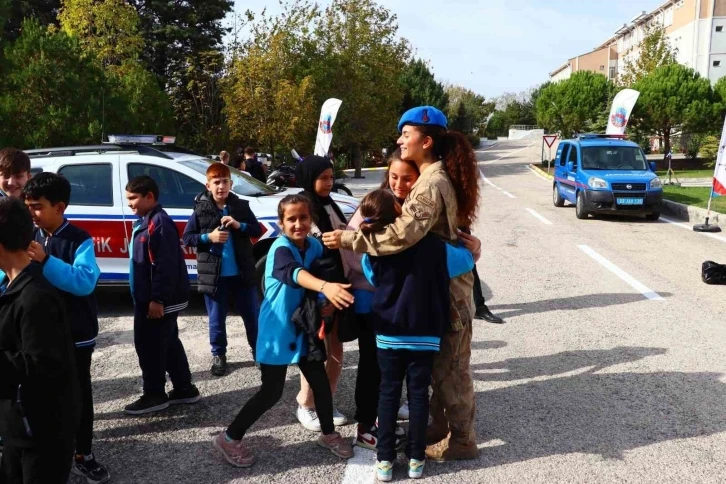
(550, 139)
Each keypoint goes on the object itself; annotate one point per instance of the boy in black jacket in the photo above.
(220, 228)
(38, 386)
(67, 256)
(160, 287)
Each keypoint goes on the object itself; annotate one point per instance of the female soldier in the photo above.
(444, 198)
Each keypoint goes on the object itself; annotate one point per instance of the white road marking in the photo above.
(361, 467)
(630, 280)
(538, 216)
(508, 194)
(508, 154)
(689, 227)
(538, 174)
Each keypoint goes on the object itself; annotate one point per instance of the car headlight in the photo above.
(597, 183)
(656, 183)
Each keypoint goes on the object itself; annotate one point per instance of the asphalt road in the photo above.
(609, 369)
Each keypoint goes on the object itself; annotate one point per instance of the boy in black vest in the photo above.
(220, 228)
(160, 287)
(38, 386)
(69, 263)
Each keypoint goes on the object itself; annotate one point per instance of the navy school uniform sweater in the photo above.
(411, 304)
(70, 265)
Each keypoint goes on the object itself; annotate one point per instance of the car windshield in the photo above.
(242, 184)
(613, 158)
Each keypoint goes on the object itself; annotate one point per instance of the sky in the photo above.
(498, 46)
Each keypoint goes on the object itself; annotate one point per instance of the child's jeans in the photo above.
(368, 379)
(416, 367)
(273, 383)
(248, 307)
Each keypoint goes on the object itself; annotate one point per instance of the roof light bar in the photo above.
(148, 139)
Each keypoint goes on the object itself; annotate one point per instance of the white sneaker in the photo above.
(308, 417)
(338, 418)
(403, 411)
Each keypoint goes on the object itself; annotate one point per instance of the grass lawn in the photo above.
(697, 196)
(708, 173)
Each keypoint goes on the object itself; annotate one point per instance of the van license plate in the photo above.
(630, 201)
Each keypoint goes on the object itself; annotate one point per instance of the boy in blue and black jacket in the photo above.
(160, 288)
(410, 314)
(221, 227)
(67, 256)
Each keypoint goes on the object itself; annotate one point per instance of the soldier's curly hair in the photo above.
(460, 163)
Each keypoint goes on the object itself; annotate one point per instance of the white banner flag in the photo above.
(719, 175)
(621, 110)
(325, 126)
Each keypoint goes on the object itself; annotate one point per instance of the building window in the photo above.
(717, 63)
(719, 28)
(613, 72)
(602, 68)
(668, 17)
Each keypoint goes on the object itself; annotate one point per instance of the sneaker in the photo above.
(88, 467)
(186, 395)
(367, 438)
(308, 417)
(384, 470)
(338, 418)
(416, 468)
(219, 365)
(336, 444)
(147, 404)
(403, 411)
(235, 452)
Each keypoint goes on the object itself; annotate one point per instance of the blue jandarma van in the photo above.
(601, 174)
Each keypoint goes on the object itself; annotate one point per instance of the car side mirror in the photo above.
(570, 166)
(652, 166)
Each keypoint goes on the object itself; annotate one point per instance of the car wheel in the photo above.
(556, 197)
(260, 275)
(580, 210)
(653, 216)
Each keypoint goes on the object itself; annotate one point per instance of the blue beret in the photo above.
(423, 116)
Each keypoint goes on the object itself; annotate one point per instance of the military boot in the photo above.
(448, 450)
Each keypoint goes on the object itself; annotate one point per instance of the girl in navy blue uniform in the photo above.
(279, 343)
(410, 314)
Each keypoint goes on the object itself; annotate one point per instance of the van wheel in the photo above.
(556, 197)
(653, 216)
(580, 210)
(260, 275)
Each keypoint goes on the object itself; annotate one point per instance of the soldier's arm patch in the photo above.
(421, 198)
(420, 213)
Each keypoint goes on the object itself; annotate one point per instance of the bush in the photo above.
(692, 146)
(709, 150)
(474, 140)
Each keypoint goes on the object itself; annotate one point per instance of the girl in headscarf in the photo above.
(315, 176)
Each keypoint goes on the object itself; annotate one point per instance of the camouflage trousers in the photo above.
(453, 404)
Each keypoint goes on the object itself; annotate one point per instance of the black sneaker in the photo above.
(219, 365)
(147, 404)
(187, 395)
(89, 468)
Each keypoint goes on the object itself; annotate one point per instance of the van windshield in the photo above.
(242, 184)
(613, 158)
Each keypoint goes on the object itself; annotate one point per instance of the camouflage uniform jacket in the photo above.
(430, 206)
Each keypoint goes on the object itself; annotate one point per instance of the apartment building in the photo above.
(696, 28)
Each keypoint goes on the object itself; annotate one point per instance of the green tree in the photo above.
(496, 125)
(567, 106)
(106, 29)
(477, 107)
(51, 90)
(360, 59)
(462, 120)
(268, 101)
(44, 11)
(673, 96)
(654, 51)
(421, 88)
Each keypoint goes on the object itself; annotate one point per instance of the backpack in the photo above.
(713, 273)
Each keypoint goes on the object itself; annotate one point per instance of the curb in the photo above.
(694, 215)
(540, 171)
